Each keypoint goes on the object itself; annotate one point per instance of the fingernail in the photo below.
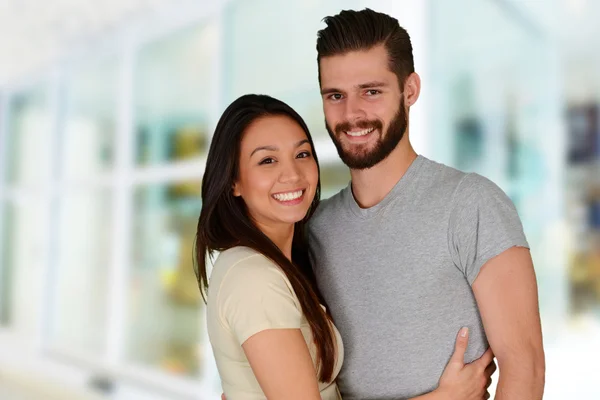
(463, 332)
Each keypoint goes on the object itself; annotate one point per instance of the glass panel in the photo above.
(23, 261)
(81, 293)
(6, 256)
(493, 104)
(496, 94)
(583, 208)
(29, 138)
(166, 328)
(334, 177)
(173, 98)
(3, 127)
(292, 74)
(468, 69)
(90, 124)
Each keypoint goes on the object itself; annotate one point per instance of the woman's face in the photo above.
(278, 174)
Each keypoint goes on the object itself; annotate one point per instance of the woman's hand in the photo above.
(462, 381)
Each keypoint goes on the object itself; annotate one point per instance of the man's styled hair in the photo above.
(362, 30)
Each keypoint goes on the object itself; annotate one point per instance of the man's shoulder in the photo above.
(444, 182)
(474, 182)
(479, 192)
(464, 189)
(442, 177)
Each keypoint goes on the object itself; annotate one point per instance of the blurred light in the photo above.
(34, 34)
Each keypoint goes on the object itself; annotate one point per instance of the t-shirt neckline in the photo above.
(397, 191)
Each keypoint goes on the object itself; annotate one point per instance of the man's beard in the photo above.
(387, 142)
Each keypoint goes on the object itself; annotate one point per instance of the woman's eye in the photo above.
(304, 154)
(268, 160)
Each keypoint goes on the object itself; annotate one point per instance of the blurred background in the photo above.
(106, 113)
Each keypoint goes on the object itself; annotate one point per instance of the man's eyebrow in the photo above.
(371, 84)
(365, 85)
(330, 91)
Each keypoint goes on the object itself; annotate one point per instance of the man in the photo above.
(412, 250)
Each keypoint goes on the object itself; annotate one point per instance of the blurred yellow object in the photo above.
(174, 366)
(188, 142)
(184, 289)
(578, 272)
(594, 272)
(168, 277)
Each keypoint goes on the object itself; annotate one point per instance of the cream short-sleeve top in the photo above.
(248, 293)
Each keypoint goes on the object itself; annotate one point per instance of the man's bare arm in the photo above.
(507, 296)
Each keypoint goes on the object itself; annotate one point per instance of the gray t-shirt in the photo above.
(397, 276)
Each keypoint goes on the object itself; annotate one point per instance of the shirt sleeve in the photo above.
(255, 295)
(483, 223)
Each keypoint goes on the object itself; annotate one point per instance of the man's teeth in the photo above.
(360, 133)
(288, 196)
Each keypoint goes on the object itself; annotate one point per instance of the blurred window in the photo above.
(165, 315)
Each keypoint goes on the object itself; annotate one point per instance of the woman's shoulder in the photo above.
(242, 256)
(245, 279)
(242, 265)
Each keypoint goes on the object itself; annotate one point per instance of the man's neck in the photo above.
(370, 186)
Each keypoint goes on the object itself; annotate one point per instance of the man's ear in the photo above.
(412, 88)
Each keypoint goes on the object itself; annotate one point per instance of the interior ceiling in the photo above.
(34, 33)
(574, 26)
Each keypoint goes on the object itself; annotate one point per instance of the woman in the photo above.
(271, 335)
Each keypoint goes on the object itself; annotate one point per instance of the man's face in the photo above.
(364, 106)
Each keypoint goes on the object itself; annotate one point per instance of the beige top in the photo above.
(248, 293)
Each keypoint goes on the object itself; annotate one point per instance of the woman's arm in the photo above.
(275, 370)
(282, 364)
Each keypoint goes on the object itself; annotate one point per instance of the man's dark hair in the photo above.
(362, 30)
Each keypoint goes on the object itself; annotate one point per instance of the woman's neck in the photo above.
(282, 235)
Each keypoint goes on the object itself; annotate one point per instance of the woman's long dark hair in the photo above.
(224, 221)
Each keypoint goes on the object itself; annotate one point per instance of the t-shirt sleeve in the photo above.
(254, 296)
(483, 223)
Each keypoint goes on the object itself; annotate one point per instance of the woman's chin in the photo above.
(292, 218)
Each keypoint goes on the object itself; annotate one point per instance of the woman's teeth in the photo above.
(360, 133)
(288, 196)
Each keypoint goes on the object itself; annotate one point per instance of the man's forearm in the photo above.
(520, 380)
